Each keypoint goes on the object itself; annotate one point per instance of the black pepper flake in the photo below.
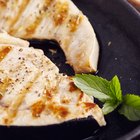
(16, 80)
(36, 91)
(39, 95)
(20, 50)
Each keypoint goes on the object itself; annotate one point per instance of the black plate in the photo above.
(117, 25)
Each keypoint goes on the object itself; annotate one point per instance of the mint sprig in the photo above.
(93, 86)
(131, 107)
(109, 93)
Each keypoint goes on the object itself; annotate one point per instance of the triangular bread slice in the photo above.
(58, 20)
(33, 92)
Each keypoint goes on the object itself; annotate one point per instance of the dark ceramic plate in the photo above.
(117, 25)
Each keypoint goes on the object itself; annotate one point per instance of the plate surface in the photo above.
(116, 24)
(119, 55)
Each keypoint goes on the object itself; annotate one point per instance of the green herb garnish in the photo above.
(109, 93)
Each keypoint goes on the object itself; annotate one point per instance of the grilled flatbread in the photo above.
(7, 39)
(58, 20)
(33, 92)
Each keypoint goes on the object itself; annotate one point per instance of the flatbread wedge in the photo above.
(34, 93)
(58, 20)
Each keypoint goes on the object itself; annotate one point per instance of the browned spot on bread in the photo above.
(4, 52)
(33, 26)
(72, 87)
(12, 110)
(89, 106)
(60, 12)
(15, 19)
(4, 85)
(3, 3)
(74, 22)
(49, 96)
(48, 2)
(5, 121)
(81, 96)
(65, 101)
(37, 108)
(58, 111)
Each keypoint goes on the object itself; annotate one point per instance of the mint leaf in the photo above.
(96, 82)
(109, 106)
(115, 89)
(93, 86)
(131, 107)
(108, 92)
(116, 94)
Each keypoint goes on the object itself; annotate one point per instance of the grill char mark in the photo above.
(60, 13)
(4, 52)
(14, 20)
(30, 30)
(13, 109)
(4, 85)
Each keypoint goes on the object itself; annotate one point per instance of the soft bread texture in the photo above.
(34, 93)
(7, 39)
(58, 20)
